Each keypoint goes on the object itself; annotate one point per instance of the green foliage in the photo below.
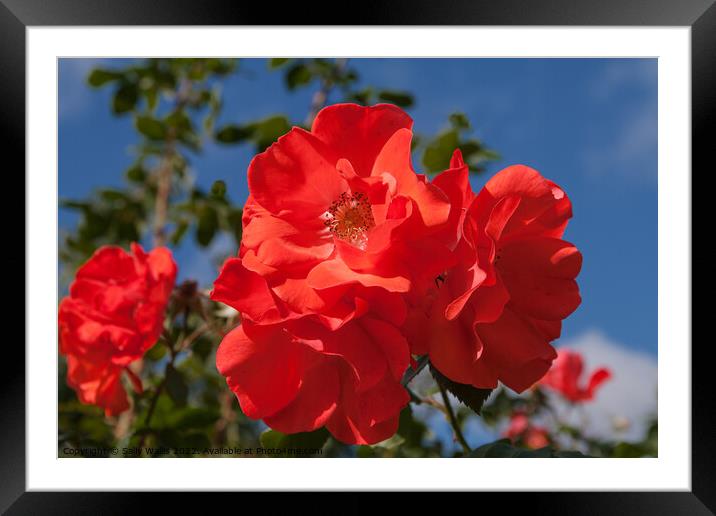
(110, 217)
(151, 128)
(176, 386)
(209, 214)
(302, 443)
(503, 449)
(467, 394)
(536, 405)
(232, 133)
(125, 98)
(399, 98)
(99, 77)
(438, 150)
(218, 190)
(647, 447)
(186, 408)
(174, 103)
(277, 62)
(368, 96)
(298, 75)
(500, 406)
(261, 133)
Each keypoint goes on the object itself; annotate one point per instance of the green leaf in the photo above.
(569, 454)
(298, 75)
(201, 348)
(262, 132)
(304, 440)
(152, 96)
(504, 449)
(207, 225)
(191, 418)
(459, 121)
(630, 450)
(232, 134)
(110, 195)
(193, 441)
(176, 386)
(366, 452)
(467, 394)
(234, 221)
(151, 128)
(501, 448)
(180, 122)
(221, 66)
(99, 77)
(410, 429)
(179, 232)
(362, 97)
(438, 152)
(218, 189)
(399, 98)
(125, 98)
(268, 130)
(277, 62)
(156, 352)
(136, 174)
(500, 406)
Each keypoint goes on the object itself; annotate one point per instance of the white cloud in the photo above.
(630, 394)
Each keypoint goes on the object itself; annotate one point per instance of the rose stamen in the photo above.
(350, 217)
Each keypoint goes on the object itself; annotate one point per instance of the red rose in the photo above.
(498, 309)
(335, 208)
(564, 377)
(520, 430)
(113, 315)
(336, 230)
(300, 376)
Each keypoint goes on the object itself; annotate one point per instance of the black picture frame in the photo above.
(16, 15)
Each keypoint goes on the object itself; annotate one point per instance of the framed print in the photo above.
(441, 250)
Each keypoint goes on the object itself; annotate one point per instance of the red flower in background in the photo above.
(502, 304)
(521, 430)
(112, 316)
(300, 376)
(564, 377)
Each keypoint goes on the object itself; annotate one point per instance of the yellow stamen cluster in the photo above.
(350, 217)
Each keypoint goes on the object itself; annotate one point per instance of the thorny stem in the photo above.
(153, 404)
(188, 341)
(157, 393)
(412, 373)
(453, 420)
(174, 351)
(428, 401)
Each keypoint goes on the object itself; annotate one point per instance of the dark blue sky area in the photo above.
(590, 125)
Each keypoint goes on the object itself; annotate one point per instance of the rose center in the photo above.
(350, 217)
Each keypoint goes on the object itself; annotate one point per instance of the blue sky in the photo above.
(590, 125)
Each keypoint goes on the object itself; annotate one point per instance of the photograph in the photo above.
(357, 257)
